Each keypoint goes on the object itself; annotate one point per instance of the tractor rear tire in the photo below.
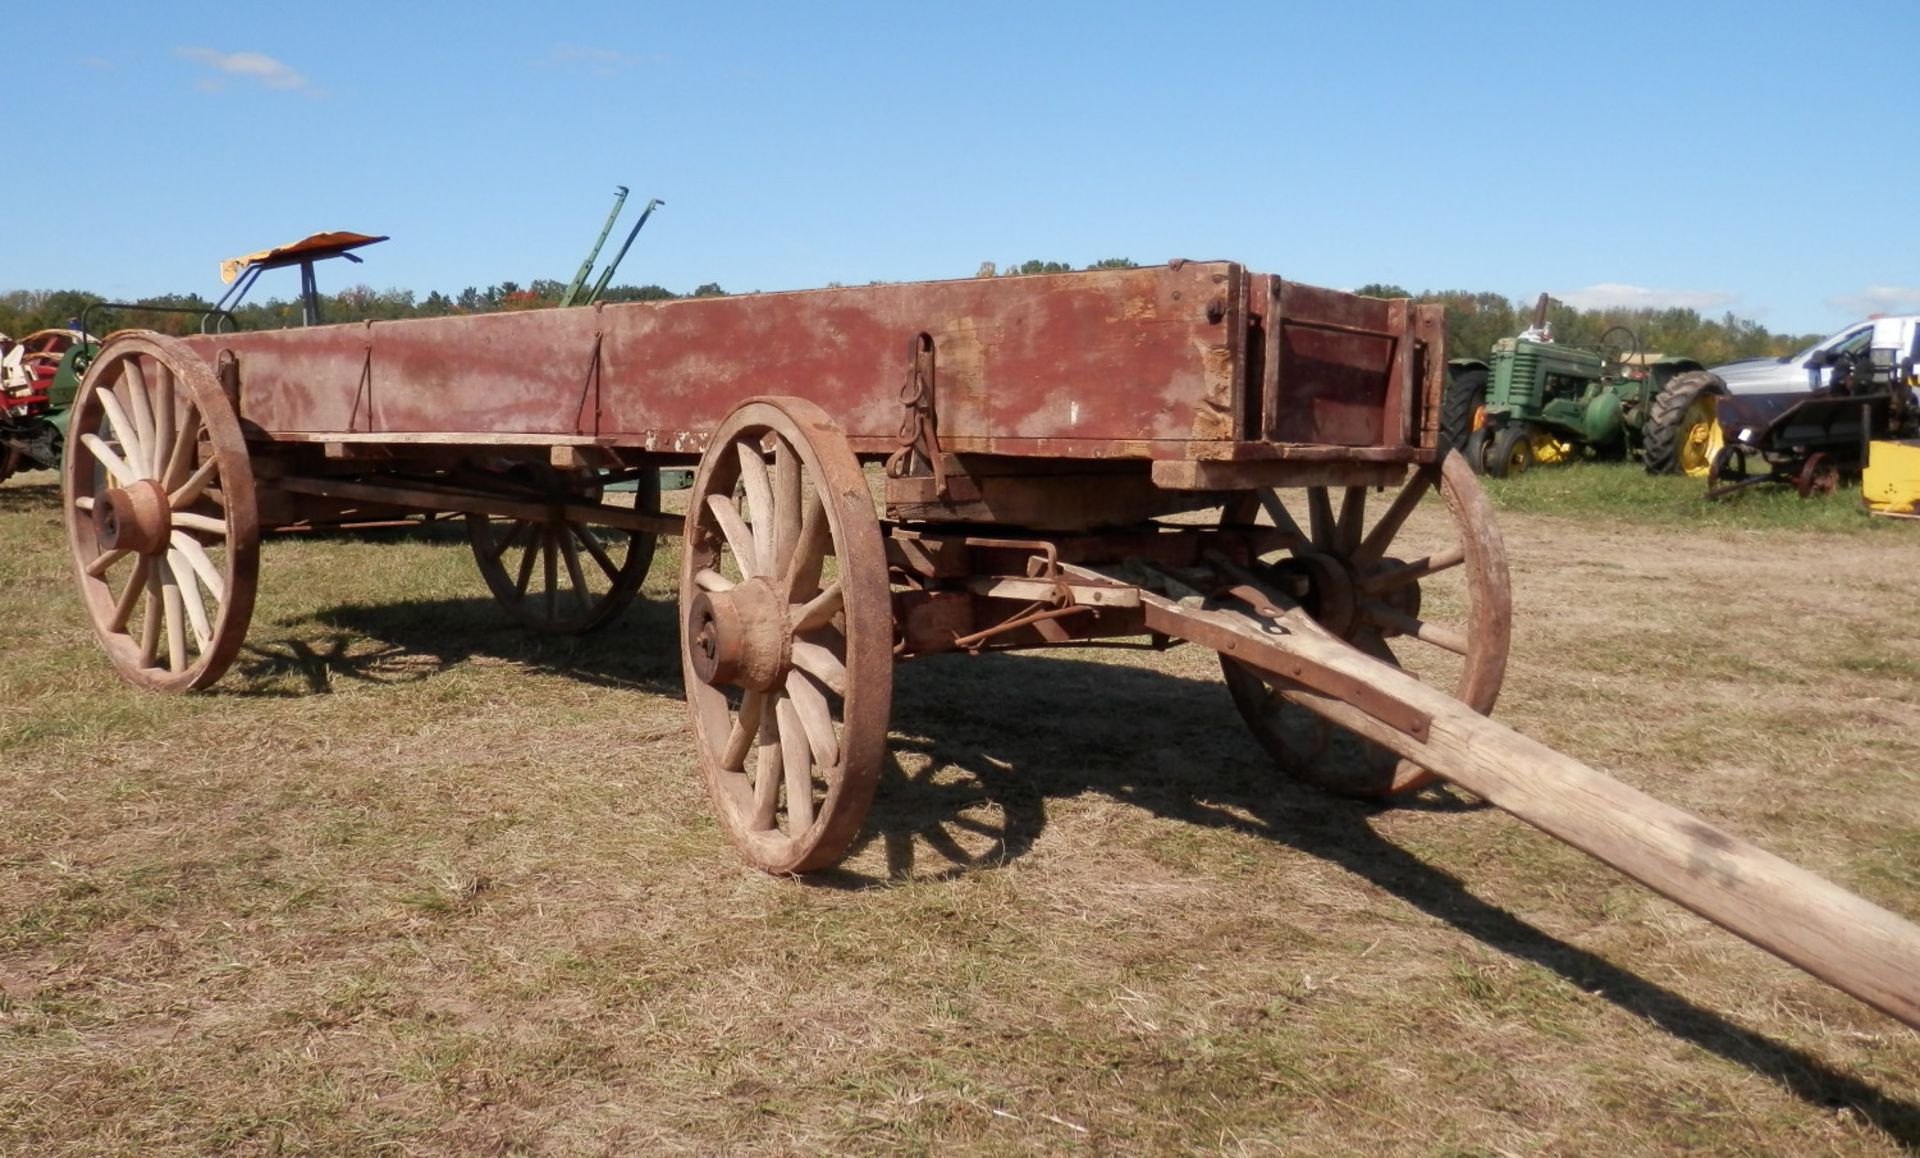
(1512, 452)
(1466, 392)
(1675, 440)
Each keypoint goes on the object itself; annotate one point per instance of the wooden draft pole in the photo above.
(1850, 943)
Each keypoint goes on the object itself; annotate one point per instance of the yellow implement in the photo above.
(1891, 483)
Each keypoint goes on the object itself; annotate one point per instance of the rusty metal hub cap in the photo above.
(740, 637)
(135, 518)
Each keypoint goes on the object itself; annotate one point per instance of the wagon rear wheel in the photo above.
(160, 513)
(566, 574)
(1429, 594)
(786, 634)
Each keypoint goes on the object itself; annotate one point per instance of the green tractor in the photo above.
(1537, 401)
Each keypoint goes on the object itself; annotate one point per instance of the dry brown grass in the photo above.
(409, 881)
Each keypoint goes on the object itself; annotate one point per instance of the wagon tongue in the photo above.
(1843, 940)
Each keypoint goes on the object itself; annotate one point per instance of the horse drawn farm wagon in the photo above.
(1192, 453)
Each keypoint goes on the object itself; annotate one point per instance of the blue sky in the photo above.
(1730, 156)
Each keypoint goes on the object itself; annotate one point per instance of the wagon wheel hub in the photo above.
(741, 637)
(134, 518)
(1331, 590)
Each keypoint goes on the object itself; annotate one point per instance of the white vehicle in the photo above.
(1793, 375)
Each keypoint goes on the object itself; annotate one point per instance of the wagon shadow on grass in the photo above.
(17, 498)
(1032, 728)
(981, 744)
(386, 643)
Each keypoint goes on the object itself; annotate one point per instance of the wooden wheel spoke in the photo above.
(141, 404)
(818, 611)
(498, 545)
(574, 574)
(1414, 570)
(816, 717)
(150, 620)
(103, 563)
(1443, 637)
(707, 579)
(528, 557)
(190, 590)
(136, 586)
(734, 528)
(196, 522)
(1353, 515)
(809, 553)
(591, 541)
(769, 772)
(746, 725)
(550, 570)
(1320, 517)
(1276, 509)
(1375, 545)
(822, 664)
(786, 500)
(190, 491)
(174, 607)
(135, 462)
(185, 441)
(759, 488)
(797, 760)
(201, 562)
(122, 471)
(163, 421)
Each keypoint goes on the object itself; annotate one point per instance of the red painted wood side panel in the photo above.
(1149, 355)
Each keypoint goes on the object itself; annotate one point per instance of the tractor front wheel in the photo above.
(1511, 453)
(1475, 451)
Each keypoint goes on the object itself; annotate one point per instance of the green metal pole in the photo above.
(586, 267)
(606, 275)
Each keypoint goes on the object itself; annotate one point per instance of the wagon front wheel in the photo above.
(160, 513)
(786, 634)
(1423, 590)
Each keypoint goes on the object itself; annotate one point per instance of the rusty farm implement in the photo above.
(1188, 453)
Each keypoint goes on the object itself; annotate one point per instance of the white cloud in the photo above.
(1880, 299)
(1610, 295)
(596, 60)
(250, 66)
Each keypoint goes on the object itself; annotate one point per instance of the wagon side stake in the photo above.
(1804, 920)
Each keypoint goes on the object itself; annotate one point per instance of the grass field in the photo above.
(408, 881)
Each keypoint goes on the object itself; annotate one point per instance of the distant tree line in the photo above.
(1474, 320)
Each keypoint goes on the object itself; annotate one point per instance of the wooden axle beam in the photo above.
(421, 498)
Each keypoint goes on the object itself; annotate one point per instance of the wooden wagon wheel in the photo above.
(1436, 601)
(786, 634)
(160, 513)
(564, 576)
